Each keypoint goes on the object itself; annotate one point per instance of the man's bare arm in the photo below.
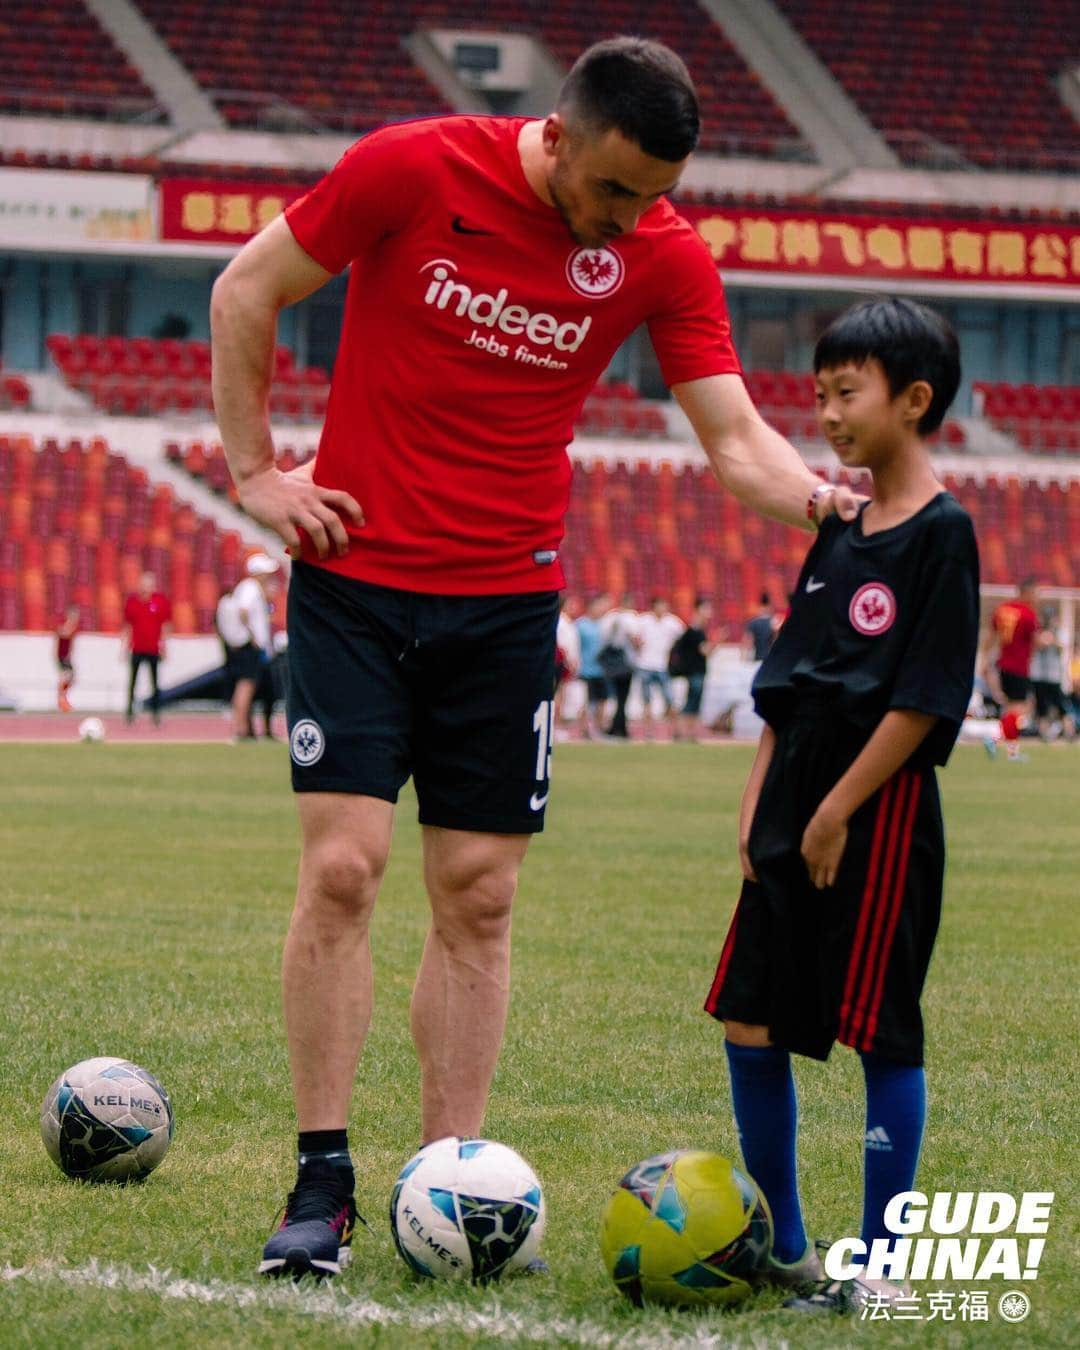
(749, 458)
(269, 272)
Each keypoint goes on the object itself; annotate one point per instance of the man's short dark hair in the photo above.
(911, 343)
(636, 87)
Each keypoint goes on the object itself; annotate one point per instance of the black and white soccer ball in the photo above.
(106, 1119)
(467, 1209)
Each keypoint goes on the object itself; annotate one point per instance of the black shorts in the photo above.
(1049, 698)
(599, 690)
(244, 663)
(454, 690)
(1015, 687)
(847, 963)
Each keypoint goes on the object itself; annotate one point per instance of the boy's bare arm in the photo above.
(899, 734)
(751, 794)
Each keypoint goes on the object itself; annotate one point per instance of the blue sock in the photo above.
(895, 1116)
(766, 1113)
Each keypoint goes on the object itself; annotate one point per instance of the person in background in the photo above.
(693, 648)
(760, 631)
(243, 622)
(590, 640)
(65, 645)
(617, 656)
(1013, 628)
(147, 620)
(1053, 713)
(658, 630)
(567, 656)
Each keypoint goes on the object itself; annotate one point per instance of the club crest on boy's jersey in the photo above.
(873, 609)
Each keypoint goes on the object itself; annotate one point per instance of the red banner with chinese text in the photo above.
(799, 243)
(888, 247)
(210, 211)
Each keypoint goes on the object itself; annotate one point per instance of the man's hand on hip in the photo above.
(289, 502)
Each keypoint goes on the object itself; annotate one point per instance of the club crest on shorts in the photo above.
(873, 609)
(595, 272)
(307, 743)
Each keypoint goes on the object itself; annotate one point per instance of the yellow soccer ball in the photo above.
(686, 1228)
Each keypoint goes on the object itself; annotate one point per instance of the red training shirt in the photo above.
(474, 328)
(147, 618)
(1016, 625)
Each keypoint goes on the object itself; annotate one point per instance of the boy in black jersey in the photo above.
(840, 831)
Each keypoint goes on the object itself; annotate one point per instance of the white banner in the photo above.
(51, 210)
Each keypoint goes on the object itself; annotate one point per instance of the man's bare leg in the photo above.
(326, 970)
(463, 985)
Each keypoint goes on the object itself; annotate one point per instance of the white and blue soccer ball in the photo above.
(91, 729)
(106, 1119)
(467, 1209)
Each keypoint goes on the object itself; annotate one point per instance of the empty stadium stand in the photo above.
(143, 375)
(78, 524)
(975, 76)
(346, 66)
(659, 530)
(1041, 419)
(56, 61)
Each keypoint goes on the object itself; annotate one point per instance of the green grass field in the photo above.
(145, 893)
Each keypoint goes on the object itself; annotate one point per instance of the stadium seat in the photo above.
(936, 75)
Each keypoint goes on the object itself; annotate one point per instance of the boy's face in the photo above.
(859, 416)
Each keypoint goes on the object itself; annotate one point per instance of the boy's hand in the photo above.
(823, 844)
(744, 856)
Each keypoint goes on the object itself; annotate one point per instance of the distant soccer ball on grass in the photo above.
(106, 1119)
(91, 729)
(686, 1228)
(467, 1209)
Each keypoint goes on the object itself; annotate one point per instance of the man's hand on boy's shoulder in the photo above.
(842, 501)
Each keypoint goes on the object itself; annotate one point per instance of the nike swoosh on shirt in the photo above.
(537, 802)
(812, 586)
(459, 227)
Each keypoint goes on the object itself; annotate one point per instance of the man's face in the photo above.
(147, 583)
(601, 182)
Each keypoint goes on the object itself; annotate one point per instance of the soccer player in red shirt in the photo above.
(147, 615)
(1014, 626)
(65, 665)
(497, 265)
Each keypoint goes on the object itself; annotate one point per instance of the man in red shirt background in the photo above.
(1014, 626)
(147, 615)
(497, 265)
(65, 660)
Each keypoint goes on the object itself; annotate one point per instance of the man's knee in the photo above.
(339, 877)
(472, 893)
(745, 1033)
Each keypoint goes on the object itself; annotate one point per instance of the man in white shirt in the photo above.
(658, 629)
(243, 622)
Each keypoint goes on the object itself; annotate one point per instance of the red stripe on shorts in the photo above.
(879, 905)
(723, 963)
(894, 915)
(866, 904)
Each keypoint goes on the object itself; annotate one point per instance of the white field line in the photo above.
(328, 1304)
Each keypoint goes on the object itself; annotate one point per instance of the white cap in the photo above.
(261, 565)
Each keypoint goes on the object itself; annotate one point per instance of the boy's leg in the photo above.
(895, 1117)
(766, 1113)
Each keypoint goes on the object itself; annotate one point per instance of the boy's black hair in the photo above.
(910, 342)
(639, 88)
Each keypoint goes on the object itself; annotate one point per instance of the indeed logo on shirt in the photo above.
(492, 311)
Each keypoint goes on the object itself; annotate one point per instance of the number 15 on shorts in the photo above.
(544, 727)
